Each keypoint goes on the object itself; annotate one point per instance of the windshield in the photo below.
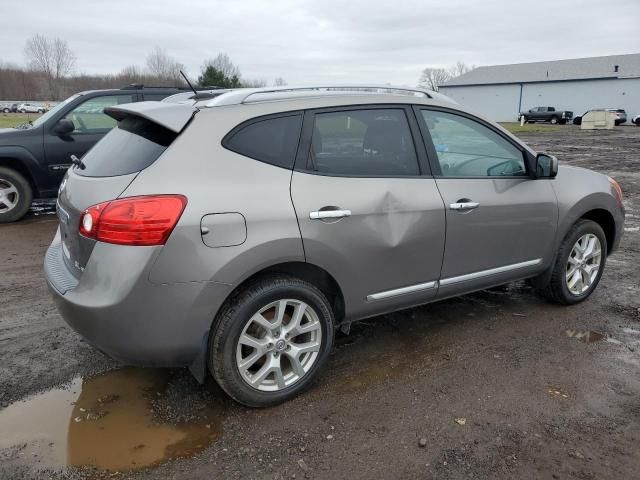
(43, 118)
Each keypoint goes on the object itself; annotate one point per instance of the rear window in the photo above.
(273, 140)
(130, 147)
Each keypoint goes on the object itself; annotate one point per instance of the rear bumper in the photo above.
(117, 310)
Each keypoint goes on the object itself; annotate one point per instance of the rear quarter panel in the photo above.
(216, 180)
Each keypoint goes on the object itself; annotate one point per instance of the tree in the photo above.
(164, 67)
(51, 57)
(280, 82)
(219, 72)
(460, 68)
(432, 78)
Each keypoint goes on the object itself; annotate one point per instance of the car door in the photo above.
(368, 209)
(91, 124)
(501, 222)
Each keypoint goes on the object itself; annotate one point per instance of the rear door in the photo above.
(501, 223)
(368, 209)
(91, 124)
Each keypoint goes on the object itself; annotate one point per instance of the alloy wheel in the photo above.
(583, 264)
(279, 345)
(9, 196)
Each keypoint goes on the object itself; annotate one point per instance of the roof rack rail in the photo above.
(140, 86)
(243, 95)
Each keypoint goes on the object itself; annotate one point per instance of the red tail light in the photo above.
(146, 220)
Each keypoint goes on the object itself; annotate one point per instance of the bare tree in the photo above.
(280, 82)
(164, 67)
(53, 58)
(432, 78)
(460, 68)
(253, 82)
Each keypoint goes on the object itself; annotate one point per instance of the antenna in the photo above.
(188, 82)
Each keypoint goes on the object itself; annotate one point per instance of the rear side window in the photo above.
(375, 142)
(272, 140)
(130, 147)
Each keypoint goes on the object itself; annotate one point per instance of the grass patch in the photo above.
(10, 120)
(515, 127)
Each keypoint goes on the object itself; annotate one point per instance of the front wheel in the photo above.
(579, 264)
(15, 195)
(271, 340)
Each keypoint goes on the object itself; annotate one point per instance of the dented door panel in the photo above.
(387, 252)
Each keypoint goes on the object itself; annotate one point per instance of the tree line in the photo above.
(49, 73)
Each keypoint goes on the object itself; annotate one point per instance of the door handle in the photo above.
(322, 214)
(464, 206)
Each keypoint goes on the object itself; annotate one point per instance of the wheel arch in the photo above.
(15, 164)
(606, 221)
(309, 272)
(23, 162)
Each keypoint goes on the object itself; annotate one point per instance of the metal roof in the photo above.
(552, 71)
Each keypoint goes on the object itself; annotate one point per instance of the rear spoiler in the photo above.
(173, 116)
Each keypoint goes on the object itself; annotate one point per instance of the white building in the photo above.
(499, 92)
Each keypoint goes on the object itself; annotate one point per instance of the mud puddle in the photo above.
(588, 336)
(106, 421)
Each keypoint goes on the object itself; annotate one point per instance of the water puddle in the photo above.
(588, 336)
(104, 421)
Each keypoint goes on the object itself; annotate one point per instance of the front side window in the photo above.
(89, 116)
(466, 148)
(375, 142)
(273, 140)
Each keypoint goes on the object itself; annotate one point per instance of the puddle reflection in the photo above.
(106, 421)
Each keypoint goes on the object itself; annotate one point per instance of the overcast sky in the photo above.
(305, 41)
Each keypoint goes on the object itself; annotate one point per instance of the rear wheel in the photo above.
(579, 264)
(554, 120)
(15, 195)
(271, 340)
(637, 122)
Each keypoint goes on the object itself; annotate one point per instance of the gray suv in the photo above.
(236, 234)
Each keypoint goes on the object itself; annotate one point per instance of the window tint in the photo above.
(273, 140)
(130, 147)
(89, 117)
(467, 148)
(363, 142)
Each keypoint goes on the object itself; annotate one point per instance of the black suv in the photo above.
(35, 155)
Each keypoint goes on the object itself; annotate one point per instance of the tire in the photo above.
(558, 290)
(235, 319)
(6, 110)
(23, 111)
(637, 122)
(554, 120)
(22, 196)
(40, 111)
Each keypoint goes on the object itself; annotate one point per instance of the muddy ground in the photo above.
(498, 384)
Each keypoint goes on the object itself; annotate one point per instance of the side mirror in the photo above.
(64, 127)
(546, 166)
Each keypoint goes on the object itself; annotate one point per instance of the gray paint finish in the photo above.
(155, 305)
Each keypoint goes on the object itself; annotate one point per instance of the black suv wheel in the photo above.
(15, 195)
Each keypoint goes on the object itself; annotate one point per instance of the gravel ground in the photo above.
(484, 386)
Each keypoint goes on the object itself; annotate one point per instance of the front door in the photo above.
(501, 223)
(368, 212)
(91, 124)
